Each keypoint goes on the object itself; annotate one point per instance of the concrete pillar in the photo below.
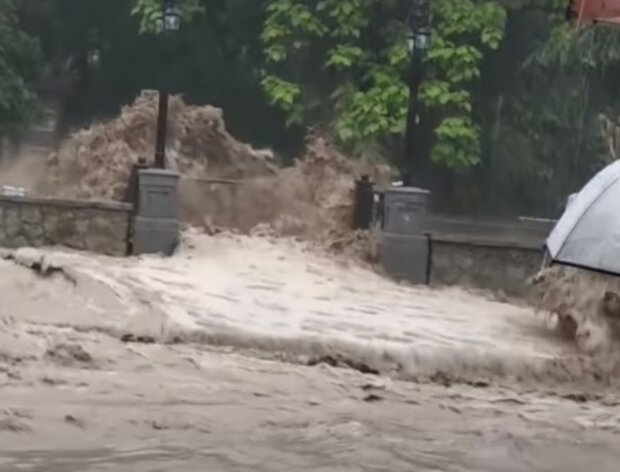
(404, 248)
(156, 223)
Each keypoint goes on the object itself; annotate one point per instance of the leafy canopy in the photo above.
(18, 66)
(344, 62)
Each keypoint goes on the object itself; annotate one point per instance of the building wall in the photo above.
(90, 226)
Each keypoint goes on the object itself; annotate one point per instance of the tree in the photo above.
(18, 68)
(215, 58)
(512, 98)
(543, 130)
(342, 64)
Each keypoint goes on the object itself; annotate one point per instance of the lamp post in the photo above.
(169, 22)
(418, 41)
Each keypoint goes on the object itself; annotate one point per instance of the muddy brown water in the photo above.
(416, 452)
(233, 392)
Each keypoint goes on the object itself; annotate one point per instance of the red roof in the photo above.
(589, 11)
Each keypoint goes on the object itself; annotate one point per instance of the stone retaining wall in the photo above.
(83, 225)
(497, 266)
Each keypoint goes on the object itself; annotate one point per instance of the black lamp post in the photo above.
(167, 23)
(419, 41)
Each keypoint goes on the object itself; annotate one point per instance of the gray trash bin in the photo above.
(158, 194)
(155, 235)
(156, 224)
(404, 248)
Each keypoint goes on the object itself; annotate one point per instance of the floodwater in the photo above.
(184, 408)
(497, 457)
(224, 358)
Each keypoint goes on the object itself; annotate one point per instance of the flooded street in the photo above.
(182, 408)
(566, 458)
(248, 354)
(286, 156)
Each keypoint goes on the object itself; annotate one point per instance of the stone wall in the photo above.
(89, 226)
(498, 266)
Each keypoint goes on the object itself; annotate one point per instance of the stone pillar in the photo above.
(404, 247)
(156, 223)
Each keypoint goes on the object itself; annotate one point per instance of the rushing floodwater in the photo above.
(304, 456)
(75, 397)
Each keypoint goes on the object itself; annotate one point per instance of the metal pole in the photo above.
(162, 126)
(364, 204)
(411, 147)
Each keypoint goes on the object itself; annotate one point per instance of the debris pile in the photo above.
(226, 185)
(95, 163)
(584, 305)
(311, 200)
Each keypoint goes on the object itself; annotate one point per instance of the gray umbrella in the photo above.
(588, 234)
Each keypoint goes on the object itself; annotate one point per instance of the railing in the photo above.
(524, 232)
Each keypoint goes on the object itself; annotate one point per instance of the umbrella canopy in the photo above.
(588, 234)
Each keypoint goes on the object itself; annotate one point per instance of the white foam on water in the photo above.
(279, 295)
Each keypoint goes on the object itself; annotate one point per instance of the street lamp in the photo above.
(168, 22)
(419, 37)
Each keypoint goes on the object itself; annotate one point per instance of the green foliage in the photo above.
(510, 105)
(284, 94)
(595, 49)
(464, 32)
(353, 55)
(18, 66)
(342, 81)
(541, 131)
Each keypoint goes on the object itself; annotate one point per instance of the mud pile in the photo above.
(226, 185)
(95, 163)
(311, 200)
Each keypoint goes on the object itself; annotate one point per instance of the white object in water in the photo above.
(10, 191)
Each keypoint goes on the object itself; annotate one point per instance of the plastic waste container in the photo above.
(404, 248)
